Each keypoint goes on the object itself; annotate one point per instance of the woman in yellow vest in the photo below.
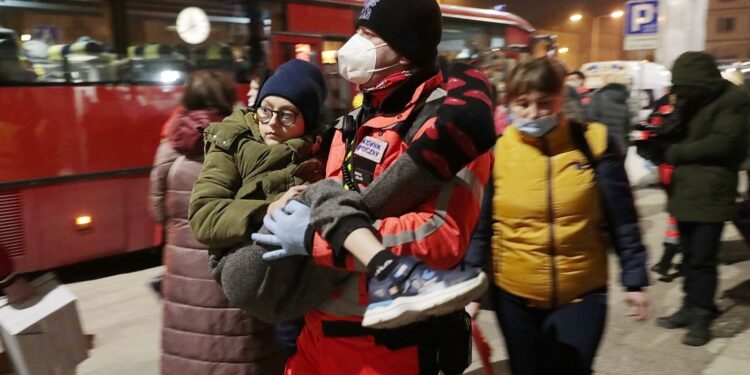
(558, 187)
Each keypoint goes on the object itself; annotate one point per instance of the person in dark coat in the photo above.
(715, 113)
(663, 125)
(609, 106)
(201, 332)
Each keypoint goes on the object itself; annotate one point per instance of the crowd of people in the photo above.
(298, 247)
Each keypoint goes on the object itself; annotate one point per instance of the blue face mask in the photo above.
(536, 128)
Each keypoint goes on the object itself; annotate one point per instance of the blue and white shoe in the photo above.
(414, 292)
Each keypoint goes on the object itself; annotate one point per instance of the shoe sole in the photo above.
(405, 310)
(694, 341)
(660, 270)
(670, 324)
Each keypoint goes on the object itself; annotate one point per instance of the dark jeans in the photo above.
(287, 333)
(700, 247)
(558, 341)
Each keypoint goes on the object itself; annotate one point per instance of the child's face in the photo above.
(279, 120)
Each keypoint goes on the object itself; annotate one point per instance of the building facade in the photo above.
(728, 29)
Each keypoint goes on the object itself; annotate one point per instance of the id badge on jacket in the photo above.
(367, 155)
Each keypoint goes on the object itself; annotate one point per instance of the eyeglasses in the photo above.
(286, 118)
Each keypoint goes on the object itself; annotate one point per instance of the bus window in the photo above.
(160, 63)
(479, 43)
(72, 42)
(12, 66)
(339, 99)
(155, 24)
(85, 60)
(466, 40)
(49, 41)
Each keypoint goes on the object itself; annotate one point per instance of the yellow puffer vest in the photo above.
(548, 243)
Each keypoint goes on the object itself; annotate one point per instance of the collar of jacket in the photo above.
(302, 147)
(401, 95)
(383, 119)
(241, 124)
(376, 95)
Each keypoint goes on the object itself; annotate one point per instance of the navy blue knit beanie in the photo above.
(301, 83)
(411, 27)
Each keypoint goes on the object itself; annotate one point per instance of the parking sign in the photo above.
(641, 24)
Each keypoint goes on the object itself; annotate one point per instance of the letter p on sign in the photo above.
(642, 17)
(643, 14)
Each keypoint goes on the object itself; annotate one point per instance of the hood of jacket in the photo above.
(697, 69)
(185, 133)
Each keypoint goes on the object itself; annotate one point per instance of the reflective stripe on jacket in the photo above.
(437, 231)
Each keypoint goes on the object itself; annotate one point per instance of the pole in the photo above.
(257, 55)
(119, 15)
(595, 39)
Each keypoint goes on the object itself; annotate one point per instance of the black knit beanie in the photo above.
(301, 83)
(411, 27)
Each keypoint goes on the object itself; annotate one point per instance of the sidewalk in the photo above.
(125, 316)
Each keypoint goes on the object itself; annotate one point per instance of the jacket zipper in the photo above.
(551, 222)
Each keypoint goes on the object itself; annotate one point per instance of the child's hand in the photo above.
(281, 202)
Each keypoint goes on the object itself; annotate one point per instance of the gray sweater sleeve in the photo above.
(401, 188)
(273, 291)
(337, 212)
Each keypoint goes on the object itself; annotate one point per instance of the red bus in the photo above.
(86, 86)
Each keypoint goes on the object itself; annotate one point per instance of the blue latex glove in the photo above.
(288, 226)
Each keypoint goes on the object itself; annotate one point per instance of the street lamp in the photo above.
(576, 17)
(617, 14)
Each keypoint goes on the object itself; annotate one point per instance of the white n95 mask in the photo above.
(357, 59)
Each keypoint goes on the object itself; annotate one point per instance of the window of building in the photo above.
(725, 25)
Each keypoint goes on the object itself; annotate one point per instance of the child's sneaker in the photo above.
(413, 292)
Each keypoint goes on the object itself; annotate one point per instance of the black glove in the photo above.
(651, 149)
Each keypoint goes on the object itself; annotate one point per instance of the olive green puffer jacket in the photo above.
(241, 176)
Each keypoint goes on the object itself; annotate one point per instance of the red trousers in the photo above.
(320, 355)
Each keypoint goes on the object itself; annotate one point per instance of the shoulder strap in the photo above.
(421, 114)
(579, 140)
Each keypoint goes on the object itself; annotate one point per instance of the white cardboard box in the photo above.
(44, 335)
